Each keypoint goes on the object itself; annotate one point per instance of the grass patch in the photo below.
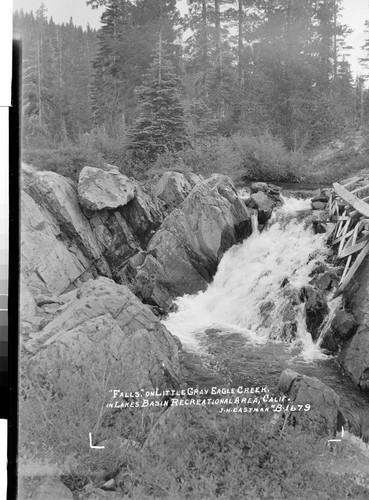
(181, 453)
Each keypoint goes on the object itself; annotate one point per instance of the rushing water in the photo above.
(240, 317)
(250, 275)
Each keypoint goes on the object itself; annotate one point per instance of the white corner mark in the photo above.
(337, 440)
(99, 447)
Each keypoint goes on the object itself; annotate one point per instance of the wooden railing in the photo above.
(349, 208)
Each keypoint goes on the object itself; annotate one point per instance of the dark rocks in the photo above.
(344, 324)
(319, 227)
(355, 353)
(316, 309)
(319, 268)
(144, 215)
(328, 280)
(355, 358)
(265, 198)
(324, 415)
(330, 343)
(269, 189)
(319, 202)
(318, 205)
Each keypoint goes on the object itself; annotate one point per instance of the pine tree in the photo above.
(160, 124)
(108, 83)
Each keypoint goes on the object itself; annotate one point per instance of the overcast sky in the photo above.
(354, 14)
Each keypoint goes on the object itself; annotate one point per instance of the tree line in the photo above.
(158, 79)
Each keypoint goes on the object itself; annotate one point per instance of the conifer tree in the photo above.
(160, 123)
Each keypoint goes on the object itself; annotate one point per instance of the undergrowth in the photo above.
(242, 157)
(178, 453)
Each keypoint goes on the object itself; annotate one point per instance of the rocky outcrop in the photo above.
(264, 198)
(47, 265)
(104, 189)
(103, 325)
(172, 188)
(58, 246)
(193, 238)
(355, 353)
(144, 214)
(324, 415)
(125, 231)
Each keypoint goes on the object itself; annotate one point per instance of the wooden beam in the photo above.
(353, 269)
(352, 249)
(337, 240)
(360, 188)
(350, 198)
(354, 181)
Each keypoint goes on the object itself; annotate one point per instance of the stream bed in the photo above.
(237, 327)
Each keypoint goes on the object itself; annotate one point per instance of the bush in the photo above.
(242, 157)
(249, 158)
(67, 160)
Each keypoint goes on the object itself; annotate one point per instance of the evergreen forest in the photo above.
(251, 88)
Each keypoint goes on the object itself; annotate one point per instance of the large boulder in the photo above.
(193, 238)
(324, 414)
(104, 188)
(355, 353)
(172, 188)
(265, 198)
(344, 324)
(105, 327)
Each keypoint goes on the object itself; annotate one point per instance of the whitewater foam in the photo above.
(250, 274)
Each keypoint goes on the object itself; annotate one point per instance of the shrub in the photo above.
(67, 160)
(242, 157)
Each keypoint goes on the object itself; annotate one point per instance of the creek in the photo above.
(237, 325)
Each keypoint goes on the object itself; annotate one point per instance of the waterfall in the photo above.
(249, 294)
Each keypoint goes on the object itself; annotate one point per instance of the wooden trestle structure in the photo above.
(349, 209)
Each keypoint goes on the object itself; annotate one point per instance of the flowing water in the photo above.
(240, 319)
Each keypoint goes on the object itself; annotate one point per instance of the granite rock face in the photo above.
(58, 246)
(48, 266)
(193, 238)
(103, 324)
